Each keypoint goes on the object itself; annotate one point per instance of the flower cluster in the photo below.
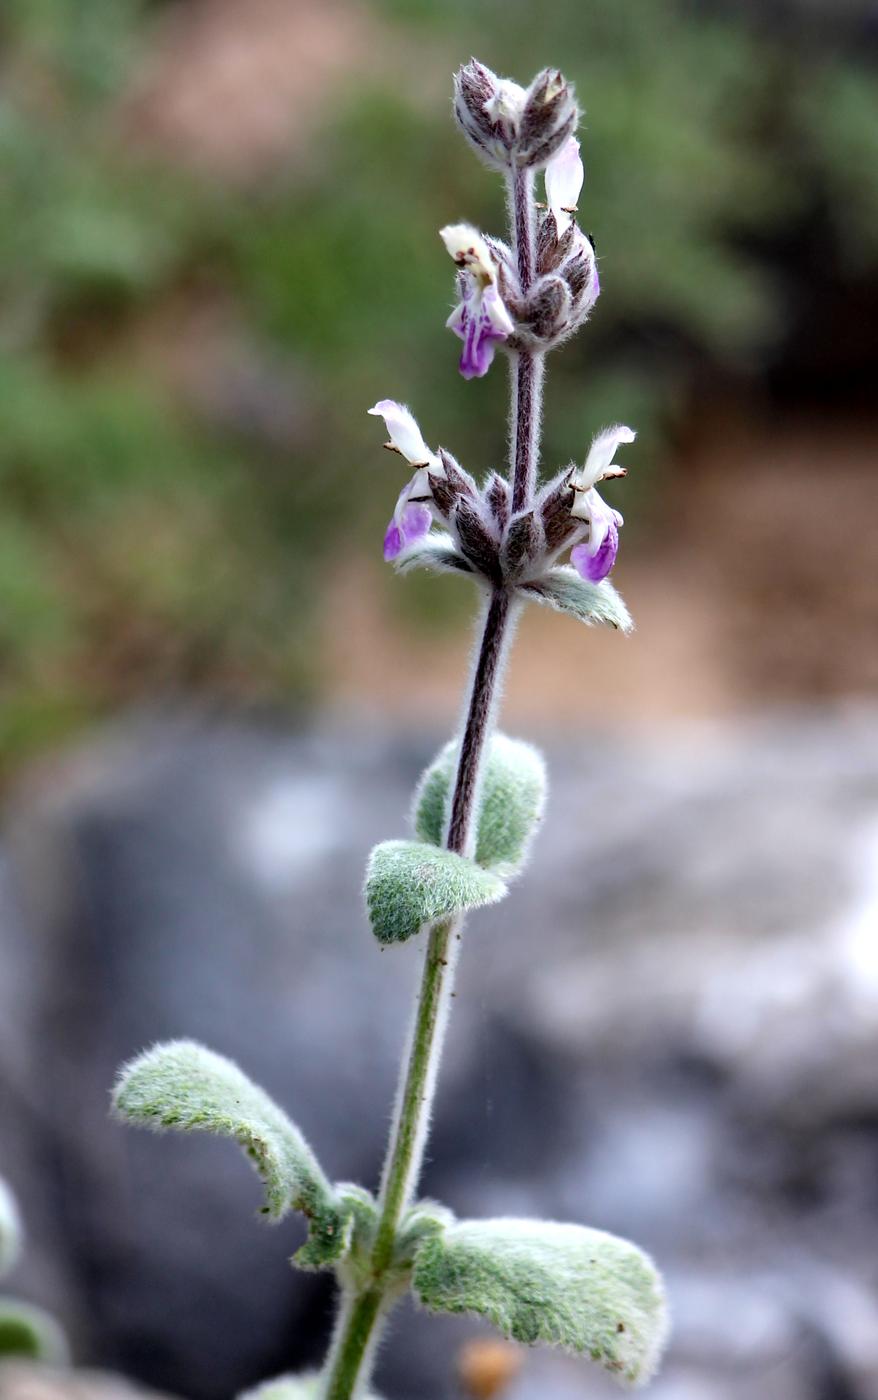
(493, 309)
(489, 540)
(516, 129)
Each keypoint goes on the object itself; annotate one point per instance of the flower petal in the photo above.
(506, 104)
(595, 566)
(564, 177)
(403, 431)
(600, 455)
(468, 249)
(407, 525)
(496, 314)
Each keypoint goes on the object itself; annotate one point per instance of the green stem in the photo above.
(358, 1324)
(354, 1332)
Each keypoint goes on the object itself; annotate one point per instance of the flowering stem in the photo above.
(527, 366)
(362, 1312)
(356, 1331)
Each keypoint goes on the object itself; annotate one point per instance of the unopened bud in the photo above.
(549, 116)
(509, 125)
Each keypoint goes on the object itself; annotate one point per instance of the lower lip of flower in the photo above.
(594, 567)
(402, 531)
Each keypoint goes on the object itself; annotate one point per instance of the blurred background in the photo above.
(218, 247)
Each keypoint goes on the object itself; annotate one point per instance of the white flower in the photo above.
(599, 464)
(594, 558)
(470, 251)
(564, 177)
(405, 435)
(412, 514)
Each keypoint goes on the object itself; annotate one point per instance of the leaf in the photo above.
(351, 1236)
(512, 802)
(437, 552)
(182, 1085)
(593, 603)
(26, 1330)
(563, 1285)
(302, 1387)
(410, 885)
(10, 1229)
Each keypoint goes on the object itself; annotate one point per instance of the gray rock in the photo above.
(669, 1030)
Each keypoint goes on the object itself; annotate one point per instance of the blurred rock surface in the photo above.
(670, 1030)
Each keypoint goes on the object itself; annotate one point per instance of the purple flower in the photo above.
(594, 557)
(596, 566)
(480, 318)
(413, 514)
(410, 521)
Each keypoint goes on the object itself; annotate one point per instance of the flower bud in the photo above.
(548, 118)
(488, 110)
(509, 125)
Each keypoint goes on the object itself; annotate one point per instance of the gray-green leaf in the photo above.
(597, 604)
(563, 1285)
(28, 1331)
(10, 1229)
(182, 1085)
(347, 1236)
(513, 798)
(410, 886)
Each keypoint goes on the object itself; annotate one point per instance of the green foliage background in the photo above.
(147, 546)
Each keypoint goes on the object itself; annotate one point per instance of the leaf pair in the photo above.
(562, 1285)
(183, 1085)
(412, 885)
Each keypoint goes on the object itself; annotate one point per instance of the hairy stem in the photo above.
(362, 1313)
(527, 365)
(356, 1331)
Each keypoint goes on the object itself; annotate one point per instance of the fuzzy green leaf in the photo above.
(302, 1387)
(563, 1285)
(182, 1085)
(10, 1229)
(513, 799)
(436, 552)
(597, 604)
(410, 886)
(349, 1236)
(30, 1332)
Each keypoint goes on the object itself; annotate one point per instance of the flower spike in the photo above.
(480, 319)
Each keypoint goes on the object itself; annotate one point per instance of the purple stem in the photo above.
(526, 366)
